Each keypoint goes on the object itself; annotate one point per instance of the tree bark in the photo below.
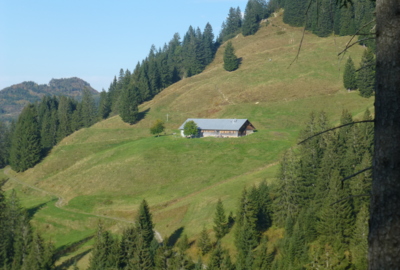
(384, 235)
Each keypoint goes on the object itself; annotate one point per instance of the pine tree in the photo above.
(65, 109)
(89, 110)
(104, 105)
(246, 234)
(98, 259)
(129, 105)
(204, 242)
(287, 200)
(208, 40)
(216, 258)
(144, 224)
(4, 145)
(26, 148)
(220, 221)
(231, 61)
(366, 74)
(359, 241)
(251, 19)
(263, 258)
(349, 75)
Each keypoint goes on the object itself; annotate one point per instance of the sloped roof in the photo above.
(217, 124)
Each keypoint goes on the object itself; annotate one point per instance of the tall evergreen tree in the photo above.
(4, 144)
(349, 75)
(104, 105)
(366, 74)
(231, 61)
(204, 242)
(89, 110)
(26, 147)
(220, 221)
(251, 19)
(129, 105)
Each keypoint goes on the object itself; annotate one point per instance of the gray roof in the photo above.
(217, 124)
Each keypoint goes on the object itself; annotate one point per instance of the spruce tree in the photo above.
(349, 75)
(231, 61)
(144, 224)
(26, 147)
(251, 19)
(129, 106)
(104, 105)
(65, 109)
(366, 74)
(4, 144)
(89, 110)
(359, 241)
(246, 234)
(220, 221)
(204, 242)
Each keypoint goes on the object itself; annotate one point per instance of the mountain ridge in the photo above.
(15, 97)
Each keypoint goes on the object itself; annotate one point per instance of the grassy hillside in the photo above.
(109, 168)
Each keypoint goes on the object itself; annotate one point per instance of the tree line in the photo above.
(327, 17)
(325, 219)
(21, 248)
(362, 79)
(176, 60)
(42, 125)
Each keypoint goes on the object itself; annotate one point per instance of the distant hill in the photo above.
(15, 97)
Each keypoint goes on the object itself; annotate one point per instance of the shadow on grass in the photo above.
(175, 237)
(142, 115)
(33, 210)
(71, 261)
(65, 249)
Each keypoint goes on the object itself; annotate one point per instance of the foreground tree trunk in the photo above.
(384, 236)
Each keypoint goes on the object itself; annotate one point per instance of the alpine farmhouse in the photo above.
(221, 127)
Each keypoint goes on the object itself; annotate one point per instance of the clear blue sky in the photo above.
(92, 40)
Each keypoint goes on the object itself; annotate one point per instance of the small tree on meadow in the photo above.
(157, 128)
(190, 128)
(349, 75)
(220, 221)
(231, 61)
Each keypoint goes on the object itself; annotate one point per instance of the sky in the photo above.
(93, 40)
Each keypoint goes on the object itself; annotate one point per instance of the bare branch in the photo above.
(362, 27)
(355, 174)
(302, 37)
(349, 197)
(322, 132)
(360, 40)
(365, 67)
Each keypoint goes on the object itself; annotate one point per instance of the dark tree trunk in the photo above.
(384, 236)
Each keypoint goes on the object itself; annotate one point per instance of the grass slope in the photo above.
(109, 168)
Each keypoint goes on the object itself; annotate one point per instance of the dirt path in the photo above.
(60, 201)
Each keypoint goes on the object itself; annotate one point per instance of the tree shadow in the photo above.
(65, 249)
(174, 237)
(33, 210)
(142, 115)
(70, 262)
(239, 61)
